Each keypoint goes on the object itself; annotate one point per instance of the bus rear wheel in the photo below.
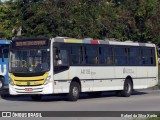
(36, 97)
(74, 91)
(1, 83)
(127, 89)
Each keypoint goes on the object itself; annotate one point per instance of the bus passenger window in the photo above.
(133, 56)
(147, 56)
(101, 56)
(91, 55)
(108, 53)
(76, 55)
(95, 61)
(120, 56)
(108, 61)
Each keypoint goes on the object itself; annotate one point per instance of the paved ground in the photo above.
(146, 100)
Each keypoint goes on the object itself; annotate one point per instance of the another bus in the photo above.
(67, 65)
(4, 51)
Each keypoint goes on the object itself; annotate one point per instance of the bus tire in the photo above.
(127, 89)
(74, 91)
(1, 83)
(36, 97)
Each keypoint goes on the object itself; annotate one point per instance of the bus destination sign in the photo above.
(26, 43)
(30, 43)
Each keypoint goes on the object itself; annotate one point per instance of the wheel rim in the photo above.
(1, 84)
(128, 88)
(75, 91)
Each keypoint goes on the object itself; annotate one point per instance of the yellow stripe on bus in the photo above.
(68, 75)
(156, 57)
(29, 80)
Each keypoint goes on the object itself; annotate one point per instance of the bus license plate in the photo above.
(28, 89)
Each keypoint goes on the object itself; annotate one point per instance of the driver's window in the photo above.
(60, 56)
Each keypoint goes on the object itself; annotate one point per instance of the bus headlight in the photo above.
(11, 81)
(47, 80)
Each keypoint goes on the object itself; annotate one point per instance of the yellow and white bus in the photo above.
(67, 65)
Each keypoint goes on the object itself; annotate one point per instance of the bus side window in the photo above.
(91, 55)
(108, 60)
(101, 56)
(96, 60)
(147, 56)
(108, 55)
(121, 55)
(76, 55)
(133, 56)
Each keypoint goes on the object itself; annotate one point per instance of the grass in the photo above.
(158, 118)
(154, 118)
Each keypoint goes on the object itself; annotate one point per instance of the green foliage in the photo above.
(137, 20)
(153, 118)
(6, 15)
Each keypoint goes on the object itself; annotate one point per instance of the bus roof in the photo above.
(5, 41)
(107, 41)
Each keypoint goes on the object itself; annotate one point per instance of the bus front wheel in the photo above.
(1, 83)
(74, 91)
(127, 89)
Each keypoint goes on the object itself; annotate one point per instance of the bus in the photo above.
(4, 51)
(40, 67)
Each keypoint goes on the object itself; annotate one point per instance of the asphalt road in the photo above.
(146, 100)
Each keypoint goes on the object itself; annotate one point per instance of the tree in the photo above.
(136, 20)
(6, 19)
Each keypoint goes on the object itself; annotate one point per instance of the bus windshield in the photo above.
(29, 60)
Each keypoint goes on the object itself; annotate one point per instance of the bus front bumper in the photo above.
(21, 90)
